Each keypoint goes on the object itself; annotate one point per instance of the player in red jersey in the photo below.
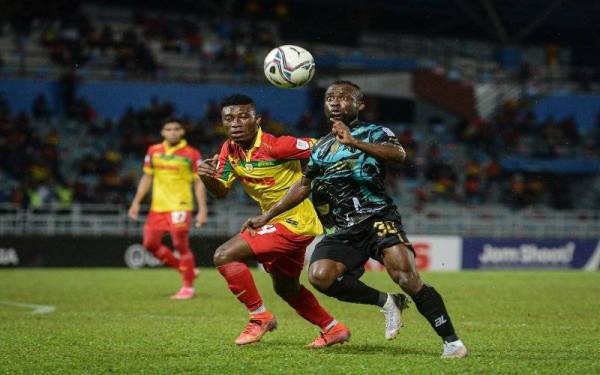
(267, 166)
(170, 168)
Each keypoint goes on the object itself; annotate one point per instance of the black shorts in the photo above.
(355, 245)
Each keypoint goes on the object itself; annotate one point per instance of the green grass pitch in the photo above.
(122, 321)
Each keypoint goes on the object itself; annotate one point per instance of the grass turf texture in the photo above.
(122, 321)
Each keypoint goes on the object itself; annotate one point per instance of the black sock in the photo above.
(431, 306)
(350, 289)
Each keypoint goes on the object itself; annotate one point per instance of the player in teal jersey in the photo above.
(345, 174)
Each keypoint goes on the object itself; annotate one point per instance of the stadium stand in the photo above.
(508, 156)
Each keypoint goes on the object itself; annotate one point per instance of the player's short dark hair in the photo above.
(349, 83)
(177, 120)
(237, 99)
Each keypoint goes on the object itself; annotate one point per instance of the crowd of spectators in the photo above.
(84, 159)
(466, 168)
(39, 165)
(135, 47)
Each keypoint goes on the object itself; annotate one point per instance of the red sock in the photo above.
(240, 282)
(187, 265)
(165, 255)
(307, 306)
(187, 262)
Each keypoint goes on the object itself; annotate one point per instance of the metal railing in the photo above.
(226, 218)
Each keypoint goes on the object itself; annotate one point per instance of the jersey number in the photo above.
(266, 229)
(178, 217)
(385, 227)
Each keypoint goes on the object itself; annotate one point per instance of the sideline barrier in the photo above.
(482, 253)
(434, 253)
(90, 251)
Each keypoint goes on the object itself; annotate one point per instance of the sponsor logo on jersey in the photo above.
(302, 144)
(292, 222)
(388, 131)
(268, 181)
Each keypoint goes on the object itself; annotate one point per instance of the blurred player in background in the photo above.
(267, 166)
(345, 172)
(170, 168)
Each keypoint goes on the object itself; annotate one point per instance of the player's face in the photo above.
(241, 122)
(342, 103)
(172, 132)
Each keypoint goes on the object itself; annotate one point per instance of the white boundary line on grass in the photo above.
(35, 309)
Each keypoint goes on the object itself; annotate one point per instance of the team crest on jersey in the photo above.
(335, 147)
(249, 167)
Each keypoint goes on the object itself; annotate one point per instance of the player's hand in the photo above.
(342, 133)
(254, 223)
(134, 211)
(201, 219)
(208, 167)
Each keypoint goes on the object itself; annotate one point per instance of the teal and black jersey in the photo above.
(348, 184)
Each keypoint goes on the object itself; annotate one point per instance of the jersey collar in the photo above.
(170, 150)
(258, 139)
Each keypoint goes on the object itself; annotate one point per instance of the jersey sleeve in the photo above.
(288, 147)
(148, 168)
(225, 172)
(312, 169)
(384, 135)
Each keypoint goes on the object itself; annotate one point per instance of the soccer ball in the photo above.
(289, 66)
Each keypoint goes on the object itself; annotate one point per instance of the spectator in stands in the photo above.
(472, 186)
(407, 169)
(40, 108)
(68, 86)
(516, 194)
(4, 108)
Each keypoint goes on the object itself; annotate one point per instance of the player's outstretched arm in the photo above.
(200, 193)
(208, 174)
(296, 194)
(142, 189)
(381, 151)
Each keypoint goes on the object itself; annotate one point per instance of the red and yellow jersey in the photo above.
(267, 171)
(173, 170)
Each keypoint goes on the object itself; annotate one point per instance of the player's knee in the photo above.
(222, 256)
(410, 282)
(321, 278)
(151, 245)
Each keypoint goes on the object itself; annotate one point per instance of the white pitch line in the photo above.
(35, 309)
(513, 325)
